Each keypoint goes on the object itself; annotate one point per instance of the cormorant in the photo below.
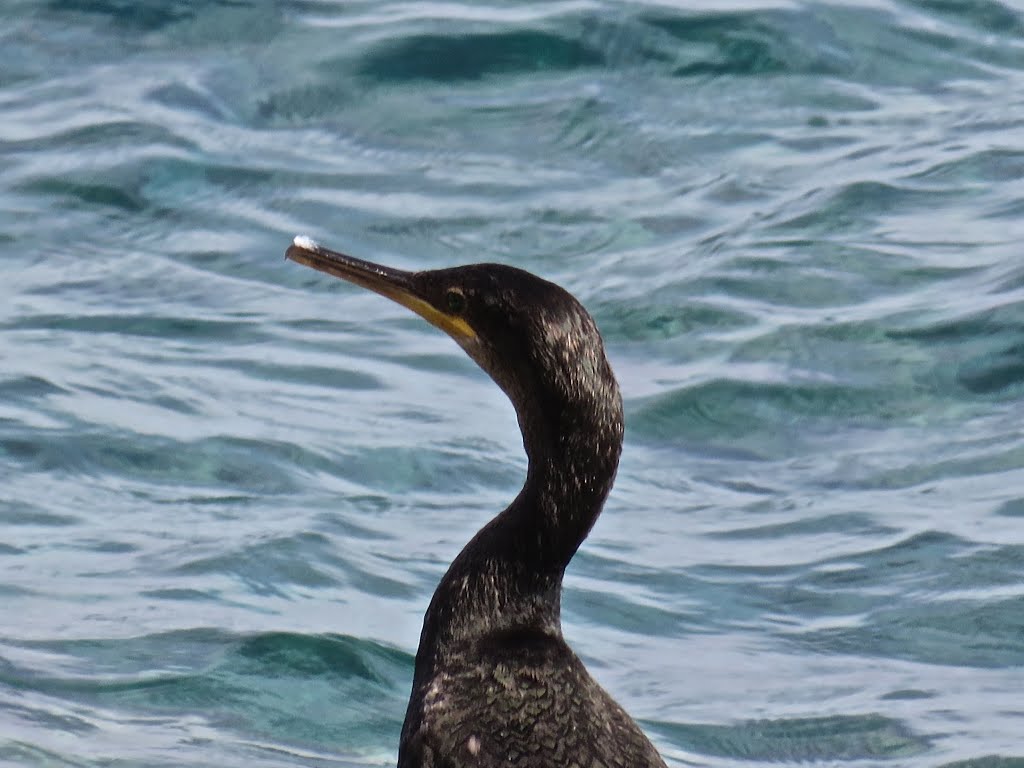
(495, 683)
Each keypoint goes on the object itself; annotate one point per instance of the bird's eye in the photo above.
(456, 301)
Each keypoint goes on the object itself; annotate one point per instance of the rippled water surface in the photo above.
(230, 484)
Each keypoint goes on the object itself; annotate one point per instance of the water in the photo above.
(231, 484)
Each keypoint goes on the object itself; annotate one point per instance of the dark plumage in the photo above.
(495, 683)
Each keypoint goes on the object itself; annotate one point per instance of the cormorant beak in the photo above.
(396, 284)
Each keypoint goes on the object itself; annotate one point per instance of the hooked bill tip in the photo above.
(306, 243)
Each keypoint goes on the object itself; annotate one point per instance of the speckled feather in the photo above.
(523, 701)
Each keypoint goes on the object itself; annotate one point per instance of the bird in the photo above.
(495, 683)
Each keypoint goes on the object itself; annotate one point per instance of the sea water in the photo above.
(229, 484)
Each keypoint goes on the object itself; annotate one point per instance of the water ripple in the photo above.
(798, 227)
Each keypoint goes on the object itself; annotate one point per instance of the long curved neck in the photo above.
(509, 577)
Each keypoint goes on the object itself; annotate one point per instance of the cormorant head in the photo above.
(532, 337)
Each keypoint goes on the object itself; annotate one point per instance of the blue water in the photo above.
(230, 484)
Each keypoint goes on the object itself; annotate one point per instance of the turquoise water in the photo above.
(231, 484)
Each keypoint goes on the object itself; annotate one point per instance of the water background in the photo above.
(230, 484)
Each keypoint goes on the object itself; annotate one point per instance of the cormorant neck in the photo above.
(573, 449)
(508, 578)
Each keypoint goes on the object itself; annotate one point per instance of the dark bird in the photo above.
(495, 682)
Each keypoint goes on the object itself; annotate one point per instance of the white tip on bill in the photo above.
(306, 243)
